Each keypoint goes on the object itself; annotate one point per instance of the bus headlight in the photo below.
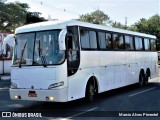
(13, 85)
(56, 85)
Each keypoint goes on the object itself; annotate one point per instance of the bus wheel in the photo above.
(141, 79)
(147, 75)
(90, 92)
(146, 79)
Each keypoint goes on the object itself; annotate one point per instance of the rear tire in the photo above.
(141, 79)
(146, 79)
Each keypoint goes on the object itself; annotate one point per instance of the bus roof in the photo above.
(62, 24)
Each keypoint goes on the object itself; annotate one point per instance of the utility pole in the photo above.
(126, 21)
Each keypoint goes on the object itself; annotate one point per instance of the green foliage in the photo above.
(119, 25)
(33, 17)
(96, 17)
(149, 26)
(13, 15)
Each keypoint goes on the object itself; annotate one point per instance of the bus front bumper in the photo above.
(56, 95)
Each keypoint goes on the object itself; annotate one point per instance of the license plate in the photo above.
(32, 94)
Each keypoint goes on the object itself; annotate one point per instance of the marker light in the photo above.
(51, 98)
(16, 97)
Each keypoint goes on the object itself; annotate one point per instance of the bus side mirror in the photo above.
(62, 39)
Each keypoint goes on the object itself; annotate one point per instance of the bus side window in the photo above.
(138, 43)
(73, 54)
(146, 44)
(88, 39)
(102, 41)
(118, 41)
(105, 40)
(85, 39)
(72, 47)
(129, 43)
(153, 44)
(114, 39)
(108, 41)
(93, 39)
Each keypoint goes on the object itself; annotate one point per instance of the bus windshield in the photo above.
(38, 48)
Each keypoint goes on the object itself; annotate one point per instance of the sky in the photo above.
(117, 10)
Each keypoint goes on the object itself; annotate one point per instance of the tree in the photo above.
(149, 26)
(119, 25)
(96, 17)
(13, 15)
(34, 17)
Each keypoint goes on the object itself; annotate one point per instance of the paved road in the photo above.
(131, 99)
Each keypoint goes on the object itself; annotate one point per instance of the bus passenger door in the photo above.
(72, 45)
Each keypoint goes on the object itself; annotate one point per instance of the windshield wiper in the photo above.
(22, 52)
(43, 59)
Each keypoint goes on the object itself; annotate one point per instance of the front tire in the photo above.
(90, 92)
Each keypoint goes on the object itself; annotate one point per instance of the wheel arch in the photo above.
(93, 79)
(142, 71)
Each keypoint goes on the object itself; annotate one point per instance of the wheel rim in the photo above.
(90, 92)
(146, 79)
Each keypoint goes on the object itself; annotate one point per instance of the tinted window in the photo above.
(108, 40)
(102, 40)
(105, 40)
(153, 44)
(93, 40)
(85, 39)
(146, 44)
(129, 44)
(138, 43)
(118, 42)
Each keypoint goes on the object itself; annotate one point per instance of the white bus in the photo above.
(6, 50)
(70, 60)
(159, 57)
